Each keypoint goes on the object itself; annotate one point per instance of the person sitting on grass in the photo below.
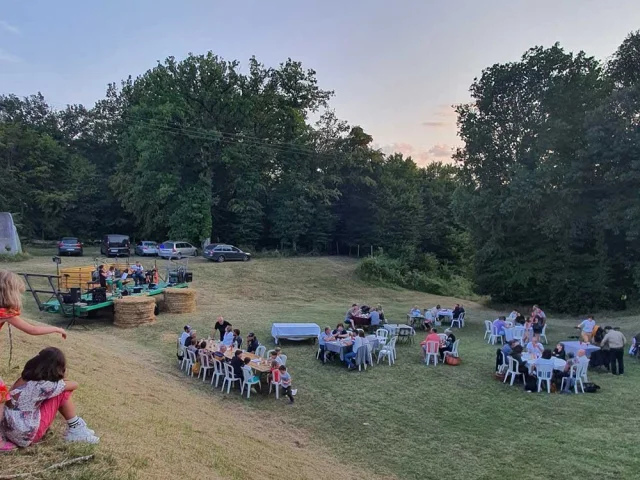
(252, 343)
(340, 332)
(36, 397)
(324, 337)
(285, 383)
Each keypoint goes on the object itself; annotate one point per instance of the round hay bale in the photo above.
(180, 300)
(131, 312)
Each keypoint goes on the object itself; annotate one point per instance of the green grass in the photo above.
(408, 420)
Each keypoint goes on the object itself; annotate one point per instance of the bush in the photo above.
(432, 278)
(18, 257)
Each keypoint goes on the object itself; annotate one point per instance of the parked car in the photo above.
(145, 248)
(70, 246)
(115, 245)
(176, 249)
(219, 252)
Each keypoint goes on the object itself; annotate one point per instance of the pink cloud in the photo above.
(441, 151)
(437, 153)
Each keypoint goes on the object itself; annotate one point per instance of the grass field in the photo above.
(405, 421)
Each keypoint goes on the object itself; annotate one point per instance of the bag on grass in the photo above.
(591, 387)
(196, 368)
(451, 360)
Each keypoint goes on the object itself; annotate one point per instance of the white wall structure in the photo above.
(9, 240)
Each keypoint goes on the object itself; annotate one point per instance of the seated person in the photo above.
(220, 354)
(507, 349)
(191, 339)
(415, 312)
(137, 273)
(432, 336)
(227, 340)
(279, 359)
(374, 316)
(247, 368)
(559, 352)
(340, 332)
(512, 316)
(448, 344)
(185, 334)
(544, 360)
(237, 339)
(499, 325)
(434, 312)
(324, 337)
(124, 279)
(274, 357)
(237, 363)
(252, 343)
(457, 310)
(381, 312)
(535, 347)
(520, 320)
(356, 343)
(34, 400)
(354, 311)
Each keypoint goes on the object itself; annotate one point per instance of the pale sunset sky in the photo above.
(396, 66)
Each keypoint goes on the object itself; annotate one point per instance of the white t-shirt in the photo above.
(183, 337)
(588, 325)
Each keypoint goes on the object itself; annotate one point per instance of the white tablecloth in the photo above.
(393, 329)
(558, 363)
(574, 346)
(294, 331)
(446, 313)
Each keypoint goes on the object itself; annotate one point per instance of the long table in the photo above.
(257, 363)
(294, 331)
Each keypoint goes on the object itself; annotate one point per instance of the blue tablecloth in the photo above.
(338, 347)
(446, 313)
(574, 346)
(294, 331)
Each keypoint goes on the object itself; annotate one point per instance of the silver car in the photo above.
(145, 248)
(176, 249)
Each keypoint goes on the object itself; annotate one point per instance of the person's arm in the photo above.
(605, 340)
(70, 385)
(33, 329)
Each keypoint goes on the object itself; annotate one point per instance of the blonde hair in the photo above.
(11, 290)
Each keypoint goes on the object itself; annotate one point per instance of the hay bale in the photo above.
(180, 300)
(134, 311)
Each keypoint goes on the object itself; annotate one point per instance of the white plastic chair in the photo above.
(205, 366)
(494, 336)
(389, 351)
(261, 351)
(505, 364)
(218, 371)
(247, 381)
(488, 326)
(544, 374)
(283, 359)
(518, 333)
(453, 352)
(272, 384)
(229, 377)
(192, 361)
(180, 350)
(368, 356)
(461, 318)
(513, 370)
(382, 335)
(431, 352)
(543, 334)
(268, 354)
(577, 373)
(457, 320)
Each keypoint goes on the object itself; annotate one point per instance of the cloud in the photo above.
(7, 27)
(9, 57)
(441, 151)
(434, 124)
(443, 116)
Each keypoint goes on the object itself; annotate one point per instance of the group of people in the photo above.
(29, 406)
(363, 316)
(610, 340)
(352, 337)
(230, 340)
(533, 324)
(112, 278)
(432, 316)
(443, 344)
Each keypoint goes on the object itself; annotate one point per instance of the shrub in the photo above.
(18, 257)
(433, 277)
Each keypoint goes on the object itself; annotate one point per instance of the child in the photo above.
(285, 383)
(247, 368)
(274, 357)
(274, 373)
(36, 397)
(528, 331)
(11, 290)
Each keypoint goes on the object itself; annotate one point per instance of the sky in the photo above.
(396, 66)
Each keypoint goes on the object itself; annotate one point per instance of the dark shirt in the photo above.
(253, 345)
(103, 279)
(188, 342)
(221, 327)
(238, 340)
(560, 354)
(457, 311)
(237, 364)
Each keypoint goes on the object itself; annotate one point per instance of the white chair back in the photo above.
(461, 317)
(192, 355)
(432, 347)
(514, 365)
(580, 370)
(382, 333)
(246, 375)
(488, 326)
(228, 372)
(204, 360)
(454, 349)
(217, 367)
(283, 359)
(518, 332)
(261, 351)
(544, 372)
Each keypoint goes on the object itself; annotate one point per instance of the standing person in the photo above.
(36, 397)
(616, 342)
(586, 327)
(221, 326)
(285, 383)
(110, 277)
(102, 276)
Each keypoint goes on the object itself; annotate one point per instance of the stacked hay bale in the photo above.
(134, 311)
(180, 300)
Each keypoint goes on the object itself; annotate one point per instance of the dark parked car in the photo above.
(115, 246)
(70, 246)
(219, 252)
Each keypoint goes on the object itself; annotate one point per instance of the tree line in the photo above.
(541, 204)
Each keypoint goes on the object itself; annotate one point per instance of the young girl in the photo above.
(528, 331)
(36, 397)
(11, 290)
